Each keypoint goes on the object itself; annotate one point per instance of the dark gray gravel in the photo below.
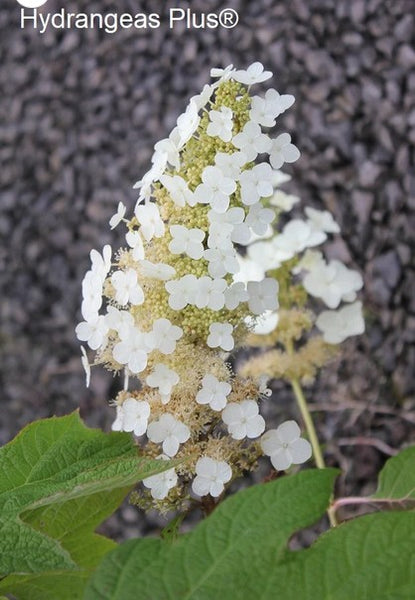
(79, 114)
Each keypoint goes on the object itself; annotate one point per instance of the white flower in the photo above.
(265, 323)
(178, 190)
(221, 261)
(264, 111)
(283, 151)
(220, 234)
(91, 294)
(159, 160)
(132, 349)
(132, 415)
(211, 475)
(322, 220)
(149, 218)
(162, 483)
(259, 218)
(283, 201)
(223, 74)
(221, 123)
(182, 291)
(187, 123)
(235, 294)
(215, 189)
(210, 293)
(188, 241)
(230, 164)
(93, 331)
(249, 270)
(337, 325)
(333, 283)
(285, 446)
(101, 264)
(118, 319)
(254, 74)
(238, 231)
(170, 432)
(243, 419)
(159, 271)
(203, 98)
(220, 335)
(256, 183)
(296, 236)
(163, 336)
(163, 378)
(252, 141)
(213, 392)
(310, 260)
(263, 295)
(266, 254)
(169, 147)
(119, 215)
(127, 288)
(134, 240)
(86, 366)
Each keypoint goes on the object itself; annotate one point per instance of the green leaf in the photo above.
(240, 552)
(397, 478)
(368, 558)
(229, 553)
(59, 481)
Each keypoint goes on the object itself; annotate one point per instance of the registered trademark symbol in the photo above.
(228, 18)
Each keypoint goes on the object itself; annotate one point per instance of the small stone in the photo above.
(404, 253)
(404, 28)
(358, 11)
(387, 265)
(406, 56)
(362, 204)
(380, 293)
(368, 173)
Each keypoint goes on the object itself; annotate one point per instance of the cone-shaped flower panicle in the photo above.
(168, 307)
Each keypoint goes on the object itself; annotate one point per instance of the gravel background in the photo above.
(79, 114)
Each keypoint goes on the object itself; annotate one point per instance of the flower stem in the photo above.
(311, 430)
(308, 421)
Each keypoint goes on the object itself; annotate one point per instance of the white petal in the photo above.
(201, 486)
(216, 488)
(255, 427)
(288, 432)
(171, 445)
(281, 460)
(300, 451)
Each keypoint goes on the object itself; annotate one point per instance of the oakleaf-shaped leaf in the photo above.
(227, 556)
(240, 552)
(58, 481)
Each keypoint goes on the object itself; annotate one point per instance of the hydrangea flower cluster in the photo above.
(168, 307)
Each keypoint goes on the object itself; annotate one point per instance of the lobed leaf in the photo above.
(59, 481)
(228, 555)
(240, 552)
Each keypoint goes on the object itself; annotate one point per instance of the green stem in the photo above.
(312, 435)
(308, 421)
